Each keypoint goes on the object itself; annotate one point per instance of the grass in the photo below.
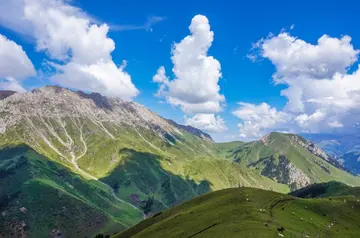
(236, 213)
(314, 167)
(327, 190)
(55, 198)
(152, 177)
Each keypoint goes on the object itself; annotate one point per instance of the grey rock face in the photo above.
(56, 103)
(284, 172)
(316, 150)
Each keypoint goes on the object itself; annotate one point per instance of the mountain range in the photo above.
(344, 148)
(75, 164)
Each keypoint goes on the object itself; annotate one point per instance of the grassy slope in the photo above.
(151, 177)
(226, 148)
(55, 198)
(149, 172)
(227, 213)
(327, 190)
(314, 167)
(141, 176)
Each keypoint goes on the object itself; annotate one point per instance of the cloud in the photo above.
(335, 124)
(163, 81)
(11, 16)
(148, 25)
(15, 65)
(12, 84)
(294, 57)
(322, 95)
(13, 60)
(79, 50)
(259, 118)
(195, 87)
(207, 122)
(104, 77)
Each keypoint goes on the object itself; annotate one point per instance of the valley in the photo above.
(118, 162)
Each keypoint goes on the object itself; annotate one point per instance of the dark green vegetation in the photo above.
(288, 159)
(250, 212)
(141, 178)
(81, 164)
(38, 196)
(329, 189)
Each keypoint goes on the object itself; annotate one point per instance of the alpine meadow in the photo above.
(190, 119)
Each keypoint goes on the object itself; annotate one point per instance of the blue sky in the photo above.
(236, 25)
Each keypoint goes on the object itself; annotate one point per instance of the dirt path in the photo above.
(273, 205)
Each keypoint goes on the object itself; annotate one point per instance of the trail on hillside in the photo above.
(149, 143)
(76, 158)
(277, 202)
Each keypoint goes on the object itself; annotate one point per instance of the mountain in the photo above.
(138, 159)
(6, 93)
(290, 159)
(250, 212)
(41, 198)
(345, 148)
(65, 152)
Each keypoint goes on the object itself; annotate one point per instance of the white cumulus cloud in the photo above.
(294, 57)
(79, 49)
(322, 95)
(12, 84)
(207, 122)
(195, 87)
(257, 119)
(15, 65)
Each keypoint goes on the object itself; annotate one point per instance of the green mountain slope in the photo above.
(290, 159)
(129, 152)
(138, 160)
(38, 196)
(326, 190)
(345, 147)
(249, 212)
(141, 176)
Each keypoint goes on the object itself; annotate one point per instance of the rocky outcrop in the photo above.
(193, 130)
(57, 103)
(294, 177)
(316, 150)
(280, 169)
(310, 147)
(265, 139)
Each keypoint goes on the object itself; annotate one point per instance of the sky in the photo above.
(235, 69)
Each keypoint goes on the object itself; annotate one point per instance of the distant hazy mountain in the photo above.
(73, 164)
(345, 148)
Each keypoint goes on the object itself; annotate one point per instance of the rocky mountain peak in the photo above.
(57, 103)
(310, 146)
(193, 131)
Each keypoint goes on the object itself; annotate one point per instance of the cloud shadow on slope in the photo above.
(140, 179)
